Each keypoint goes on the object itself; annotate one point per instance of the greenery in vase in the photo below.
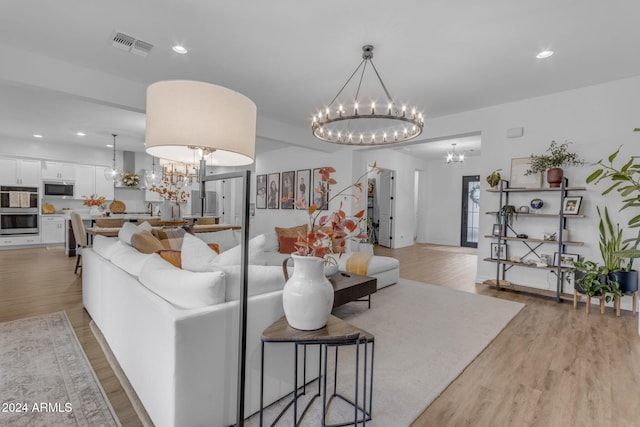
(494, 178)
(559, 156)
(595, 281)
(130, 179)
(508, 213)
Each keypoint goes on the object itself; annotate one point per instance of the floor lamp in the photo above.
(183, 116)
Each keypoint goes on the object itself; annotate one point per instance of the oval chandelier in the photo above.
(366, 123)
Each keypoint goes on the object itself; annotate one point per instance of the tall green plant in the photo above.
(611, 243)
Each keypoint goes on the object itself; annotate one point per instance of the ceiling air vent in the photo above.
(131, 44)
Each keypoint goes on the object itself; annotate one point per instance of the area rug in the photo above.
(425, 336)
(46, 378)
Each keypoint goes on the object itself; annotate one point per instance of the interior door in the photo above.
(470, 211)
(386, 204)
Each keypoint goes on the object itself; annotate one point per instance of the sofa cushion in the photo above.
(171, 256)
(103, 246)
(232, 256)
(287, 244)
(146, 242)
(271, 242)
(261, 279)
(226, 239)
(182, 288)
(300, 230)
(128, 258)
(171, 238)
(129, 229)
(196, 255)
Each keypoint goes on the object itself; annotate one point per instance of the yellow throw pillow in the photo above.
(145, 242)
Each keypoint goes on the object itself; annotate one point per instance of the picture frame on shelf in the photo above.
(303, 187)
(566, 260)
(571, 205)
(287, 190)
(261, 191)
(273, 191)
(519, 178)
(499, 249)
(497, 230)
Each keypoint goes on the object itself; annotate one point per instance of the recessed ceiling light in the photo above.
(81, 134)
(179, 49)
(544, 54)
(110, 145)
(37, 135)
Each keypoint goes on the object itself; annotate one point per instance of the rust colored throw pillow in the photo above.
(287, 245)
(145, 242)
(215, 247)
(171, 256)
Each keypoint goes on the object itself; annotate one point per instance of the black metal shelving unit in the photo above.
(504, 265)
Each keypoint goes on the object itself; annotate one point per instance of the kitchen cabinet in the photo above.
(52, 229)
(19, 240)
(90, 180)
(58, 171)
(20, 172)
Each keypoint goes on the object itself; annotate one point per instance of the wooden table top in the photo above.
(335, 332)
(349, 287)
(113, 231)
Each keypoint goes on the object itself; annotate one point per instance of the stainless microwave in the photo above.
(59, 189)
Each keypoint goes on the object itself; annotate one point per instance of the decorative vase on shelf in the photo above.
(554, 177)
(307, 297)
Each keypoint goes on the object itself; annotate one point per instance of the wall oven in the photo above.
(18, 210)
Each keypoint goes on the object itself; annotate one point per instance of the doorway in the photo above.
(386, 207)
(470, 217)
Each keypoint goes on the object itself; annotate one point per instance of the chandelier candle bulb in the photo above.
(373, 108)
(355, 109)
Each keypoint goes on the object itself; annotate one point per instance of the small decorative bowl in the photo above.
(536, 203)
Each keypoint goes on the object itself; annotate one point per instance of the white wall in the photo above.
(289, 159)
(597, 119)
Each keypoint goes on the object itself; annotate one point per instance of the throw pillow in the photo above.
(145, 242)
(182, 288)
(104, 245)
(226, 239)
(196, 255)
(171, 256)
(232, 256)
(271, 242)
(291, 231)
(171, 238)
(287, 244)
(129, 229)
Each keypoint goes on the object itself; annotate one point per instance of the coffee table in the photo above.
(352, 287)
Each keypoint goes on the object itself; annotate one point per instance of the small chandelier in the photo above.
(368, 123)
(113, 174)
(454, 157)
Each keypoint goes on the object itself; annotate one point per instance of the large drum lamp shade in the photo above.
(185, 115)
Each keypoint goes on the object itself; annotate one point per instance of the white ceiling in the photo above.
(291, 57)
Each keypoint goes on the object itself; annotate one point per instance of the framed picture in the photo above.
(571, 205)
(497, 230)
(287, 190)
(261, 191)
(273, 191)
(499, 249)
(320, 191)
(303, 187)
(566, 260)
(519, 179)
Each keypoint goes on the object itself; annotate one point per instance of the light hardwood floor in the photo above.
(551, 366)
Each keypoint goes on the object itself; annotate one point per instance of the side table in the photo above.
(336, 333)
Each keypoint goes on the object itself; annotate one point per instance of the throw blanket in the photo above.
(358, 263)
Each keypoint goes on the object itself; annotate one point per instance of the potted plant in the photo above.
(592, 280)
(494, 178)
(612, 246)
(559, 156)
(507, 214)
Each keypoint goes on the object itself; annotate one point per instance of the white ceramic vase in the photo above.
(170, 211)
(307, 297)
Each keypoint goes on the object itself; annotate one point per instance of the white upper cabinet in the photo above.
(58, 171)
(20, 172)
(103, 187)
(90, 180)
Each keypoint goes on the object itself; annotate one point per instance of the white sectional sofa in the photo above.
(182, 362)
(174, 332)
